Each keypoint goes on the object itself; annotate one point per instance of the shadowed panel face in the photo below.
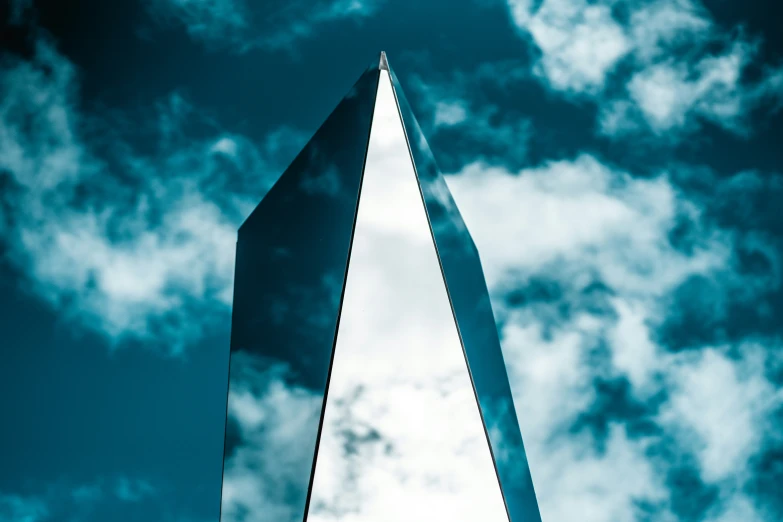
(292, 255)
(402, 437)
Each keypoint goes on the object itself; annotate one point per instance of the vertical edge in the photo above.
(339, 312)
(451, 304)
(228, 388)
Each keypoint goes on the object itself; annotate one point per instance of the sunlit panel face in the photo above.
(402, 438)
(470, 301)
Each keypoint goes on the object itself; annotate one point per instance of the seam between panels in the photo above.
(339, 311)
(296, 158)
(228, 386)
(451, 303)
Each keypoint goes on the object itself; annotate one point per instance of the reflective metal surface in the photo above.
(470, 300)
(402, 437)
(359, 296)
(291, 260)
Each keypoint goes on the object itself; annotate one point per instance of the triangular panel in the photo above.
(471, 306)
(402, 436)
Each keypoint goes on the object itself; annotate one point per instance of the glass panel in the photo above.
(402, 438)
(470, 300)
(291, 260)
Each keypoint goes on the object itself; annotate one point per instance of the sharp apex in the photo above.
(383, 64)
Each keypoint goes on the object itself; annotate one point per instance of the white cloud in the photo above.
(450, 113)
(580, 41)
(738, 508)
(634, 353)
(596, 487)
(718, 407)
(659, 26)
(668, 95)
(227, 146)
(673, 78)
(575, 223)
(266, 471)
(552, 384)
(133, 256)
(578, 208)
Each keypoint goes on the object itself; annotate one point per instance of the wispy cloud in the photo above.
(580, 42)
(16, 508)
(584, 266)
(124, 241)
(61, 501)
(242, 25)
(457, 111)
(660, 67)
(263, 476)
(672, 96)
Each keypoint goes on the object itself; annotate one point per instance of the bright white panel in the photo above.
(402, 439)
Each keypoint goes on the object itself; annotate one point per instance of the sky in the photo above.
(615, 162)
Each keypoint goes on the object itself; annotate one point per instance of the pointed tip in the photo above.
(383, 64)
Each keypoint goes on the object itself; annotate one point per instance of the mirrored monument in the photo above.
(367, 382)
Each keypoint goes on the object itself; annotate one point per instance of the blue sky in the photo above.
(616, 162)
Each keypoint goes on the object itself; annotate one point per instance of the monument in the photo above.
(363, 341)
